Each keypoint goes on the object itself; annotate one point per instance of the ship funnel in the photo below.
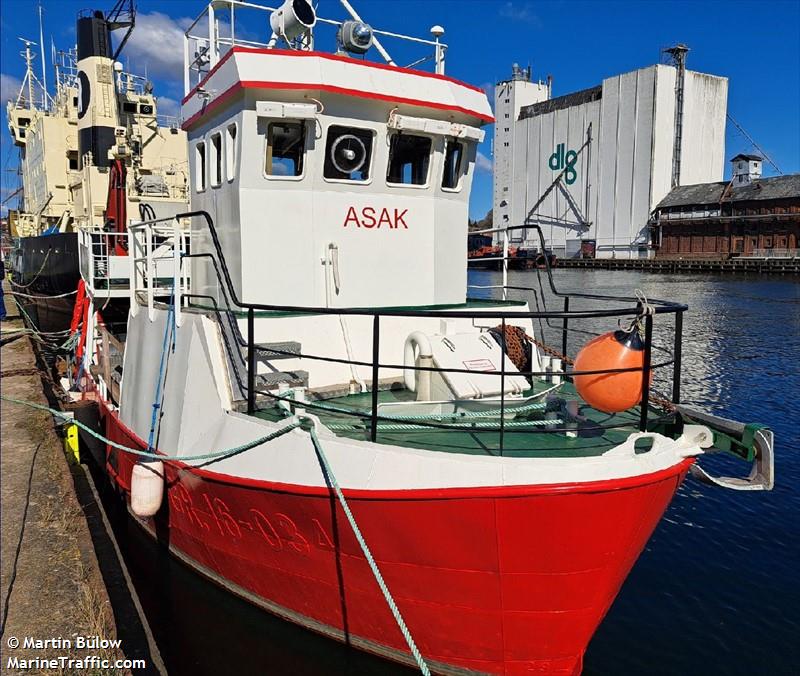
(292, 19)
(93, 36)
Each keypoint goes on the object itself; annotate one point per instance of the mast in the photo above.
(28, 70)
(44, 62)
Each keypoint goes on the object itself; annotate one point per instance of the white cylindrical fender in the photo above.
(147, 487)
(418, 381)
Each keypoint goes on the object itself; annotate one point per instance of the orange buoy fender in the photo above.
(611, 392)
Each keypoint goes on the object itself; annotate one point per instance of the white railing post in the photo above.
(213, 44)
(440, 50)
(233, 25)
(150, 264)
(176, 272)
(187, 68)
(133, 255)
(505, 263)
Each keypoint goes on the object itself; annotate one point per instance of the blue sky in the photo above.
(755, 44)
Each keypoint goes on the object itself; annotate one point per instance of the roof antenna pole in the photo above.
(44, 62)
(352, 12)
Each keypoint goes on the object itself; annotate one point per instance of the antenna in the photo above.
(29, 77)
(44, 62)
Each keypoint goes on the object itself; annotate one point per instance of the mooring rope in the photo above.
(391, 427)
(28, 295)
(216, 455)
(423, 666)
(36, 276)
(219, 455)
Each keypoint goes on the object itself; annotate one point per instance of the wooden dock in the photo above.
(785, 266)
(60, 572)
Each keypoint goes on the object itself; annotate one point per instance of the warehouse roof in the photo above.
(773, 188)
(566, 101)
(742, 156)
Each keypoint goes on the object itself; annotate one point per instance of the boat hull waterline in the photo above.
(498, 580)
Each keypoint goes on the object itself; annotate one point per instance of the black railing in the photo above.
(232, 301)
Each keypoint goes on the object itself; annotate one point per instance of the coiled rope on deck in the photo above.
(310, 424)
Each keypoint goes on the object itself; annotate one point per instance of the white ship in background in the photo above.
(94, 156)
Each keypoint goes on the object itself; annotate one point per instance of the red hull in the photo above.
(505, 580)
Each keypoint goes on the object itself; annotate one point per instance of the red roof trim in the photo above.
(259, 84)
(330, 57)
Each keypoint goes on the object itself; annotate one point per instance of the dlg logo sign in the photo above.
(559, 160)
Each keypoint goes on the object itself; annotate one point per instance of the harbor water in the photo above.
(714, 592)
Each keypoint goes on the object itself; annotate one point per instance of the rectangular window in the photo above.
(286, 142)
(453, 159)
(230, 152)
(200, 166)
(216, 160)
(348, 153)
(409, 159)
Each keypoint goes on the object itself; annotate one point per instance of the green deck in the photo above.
(517, 442)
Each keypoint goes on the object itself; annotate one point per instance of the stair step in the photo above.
(291, 378)
(285, 350)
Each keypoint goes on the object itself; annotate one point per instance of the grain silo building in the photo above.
(617, 150)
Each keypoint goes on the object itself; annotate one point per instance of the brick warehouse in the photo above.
(748, 216)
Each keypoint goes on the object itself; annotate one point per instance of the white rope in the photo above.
(28, 295)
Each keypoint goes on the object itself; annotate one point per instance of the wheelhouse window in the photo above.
(409, 159)
(286, 143)
(216, 160)
(453, 165)
(230, 152)
(348, 154)
(200, 166)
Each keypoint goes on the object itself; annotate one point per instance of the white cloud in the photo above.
(157, 44)
(483, 163)
(520, 12)
(168, 106)
(9, 87)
